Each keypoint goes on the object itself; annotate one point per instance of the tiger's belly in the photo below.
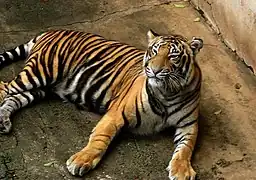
(70, 93)
(150, 123)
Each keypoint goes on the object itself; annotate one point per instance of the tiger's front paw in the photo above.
(83, 161)
(5, 123)
(181, 170)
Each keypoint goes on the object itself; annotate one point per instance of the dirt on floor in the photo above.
(46, 134)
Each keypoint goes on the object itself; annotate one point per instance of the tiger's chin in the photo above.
(166, 87)
(155, 82)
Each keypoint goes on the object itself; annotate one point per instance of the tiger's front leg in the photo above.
(180, 165)
(85, 160)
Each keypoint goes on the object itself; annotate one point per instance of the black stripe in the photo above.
(198, 86)
(60, 69)
(81, 48)
(187, 65)
(52, 53)
(103, 53)
(138, 117)
(68, 52)
(41, 59)
(45, 40)
(154, 103)
(10, 99)
(177, 134)
(7, 59)
(110, 48)
(141, 100)
(81, 42)
(37, 73)
(87, 61)
(18, 101)
(183, 138)
(193, 98)
(84, 78)
(51, 60)
(98, 58)
(34, 40)
(20, 83)
(72, 78)
(30, 79)
(4, 102)
(177, 150)
(37, 94)
(23, 53)
(15, 55)
(11, 107)
(103, 93)
(104, 135)
(126, 122)
(13, 88)
(1, 59)
(99, 140)
(108, 62)
(180, 139)
(110, 65)
(187, 115)
(128, 87)
(92, 103)
(26, 97)
(91, 45)
(61, 56)
(188, 124)
(184, 144)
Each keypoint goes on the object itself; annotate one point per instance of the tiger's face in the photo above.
(169, 61)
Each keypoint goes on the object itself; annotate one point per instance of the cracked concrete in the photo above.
(46, 134)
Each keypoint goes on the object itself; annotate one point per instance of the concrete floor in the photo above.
(46, 134)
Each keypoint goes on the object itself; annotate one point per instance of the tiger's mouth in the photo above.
(157, 74)
(166, 81)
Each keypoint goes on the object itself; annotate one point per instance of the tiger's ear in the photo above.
(196, 44)
(151, 35)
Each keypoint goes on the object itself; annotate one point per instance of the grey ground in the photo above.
(46, 134)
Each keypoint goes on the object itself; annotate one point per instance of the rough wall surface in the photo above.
(236, 21)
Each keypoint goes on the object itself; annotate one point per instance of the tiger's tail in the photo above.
(18, 53)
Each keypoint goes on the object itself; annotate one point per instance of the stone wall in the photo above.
(236, 21)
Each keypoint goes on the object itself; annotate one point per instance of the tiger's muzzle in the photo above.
(159, 66)
(157, 73)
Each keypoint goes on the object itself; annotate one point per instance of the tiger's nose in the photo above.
(157, 71)
(153, 71)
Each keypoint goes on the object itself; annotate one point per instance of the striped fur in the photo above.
(146, 91)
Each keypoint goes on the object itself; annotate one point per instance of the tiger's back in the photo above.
(84, 68)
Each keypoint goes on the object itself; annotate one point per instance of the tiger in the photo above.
(145, 91)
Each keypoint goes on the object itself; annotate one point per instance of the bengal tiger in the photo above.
(145, 91)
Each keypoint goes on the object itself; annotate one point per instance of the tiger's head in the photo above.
(169, 61)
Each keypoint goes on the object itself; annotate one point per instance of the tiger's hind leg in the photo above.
(85, 160)
(12, 103)
(3, 90)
